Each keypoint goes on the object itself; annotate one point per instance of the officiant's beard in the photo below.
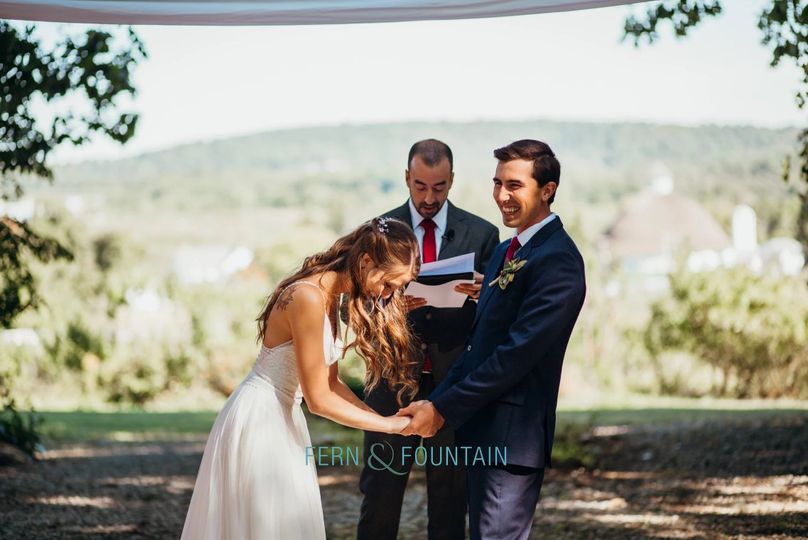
(429, 211)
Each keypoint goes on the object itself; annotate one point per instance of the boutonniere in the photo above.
(508, 272)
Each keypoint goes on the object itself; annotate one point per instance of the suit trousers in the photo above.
(383, 490)
(502, 501)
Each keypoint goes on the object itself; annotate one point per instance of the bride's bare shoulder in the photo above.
(300, 298)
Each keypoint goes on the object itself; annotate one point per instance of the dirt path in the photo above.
(709, 480)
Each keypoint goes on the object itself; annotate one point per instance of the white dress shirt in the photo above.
(525, 236)
(440, 226)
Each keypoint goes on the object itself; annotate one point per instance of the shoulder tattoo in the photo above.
(284, 300)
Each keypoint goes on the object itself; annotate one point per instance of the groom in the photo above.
(503, 390)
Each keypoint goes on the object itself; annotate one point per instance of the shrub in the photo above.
(136, 375)
(19, 430)
(752, 329)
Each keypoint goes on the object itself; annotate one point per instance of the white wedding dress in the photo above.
(254, 482)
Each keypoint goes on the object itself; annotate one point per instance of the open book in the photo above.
(437, 280)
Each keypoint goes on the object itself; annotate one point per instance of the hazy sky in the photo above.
(202, 83)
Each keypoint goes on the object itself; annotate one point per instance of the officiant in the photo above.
(443, 231)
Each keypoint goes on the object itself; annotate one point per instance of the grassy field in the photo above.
(66, 427)
(142, 425)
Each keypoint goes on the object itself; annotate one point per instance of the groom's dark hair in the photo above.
(546, 167)
(431, 152)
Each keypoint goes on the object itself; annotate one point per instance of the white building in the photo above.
(657, 227)
(210, 264)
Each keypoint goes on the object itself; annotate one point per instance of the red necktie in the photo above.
(512, 248)
(429, 255)
(430, 250)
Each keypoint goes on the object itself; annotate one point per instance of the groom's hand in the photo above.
(472, 290)
(426, 420)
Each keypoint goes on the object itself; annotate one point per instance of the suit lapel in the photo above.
(402, 213)
(540, 237)
(524, 253)
(499, 256)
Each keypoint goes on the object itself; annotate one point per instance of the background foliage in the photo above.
(77, 81)
(112, 231)
(285, 194)
(753, 330)
(784, 30)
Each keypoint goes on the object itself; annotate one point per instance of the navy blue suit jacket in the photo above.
(503, 389)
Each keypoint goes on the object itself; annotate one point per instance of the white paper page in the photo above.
(439, 296)
(456, 265)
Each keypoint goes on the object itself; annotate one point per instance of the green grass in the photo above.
(141, 425)
(95, 426)
(608, 417)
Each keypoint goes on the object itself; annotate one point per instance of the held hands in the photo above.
(472, 290)
(425, 421)
(398, 424)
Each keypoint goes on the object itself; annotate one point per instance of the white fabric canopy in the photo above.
(279, 12)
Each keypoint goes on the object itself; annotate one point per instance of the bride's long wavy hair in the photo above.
(384, 338)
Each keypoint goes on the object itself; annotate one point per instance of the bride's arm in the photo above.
(339, 386)
(305, 313)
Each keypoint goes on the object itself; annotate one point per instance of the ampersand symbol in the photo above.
(377, 463)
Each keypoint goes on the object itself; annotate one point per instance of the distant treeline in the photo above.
(601, 164)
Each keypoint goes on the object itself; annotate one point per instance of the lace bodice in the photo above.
(278, 366)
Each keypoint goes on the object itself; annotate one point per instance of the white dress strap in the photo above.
(331, 336)
(322, 291)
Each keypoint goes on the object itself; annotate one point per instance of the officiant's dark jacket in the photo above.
(503, 389)
(443, 331)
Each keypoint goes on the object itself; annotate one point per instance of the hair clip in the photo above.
(382, 224)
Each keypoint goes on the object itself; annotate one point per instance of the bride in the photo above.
(254, 480)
